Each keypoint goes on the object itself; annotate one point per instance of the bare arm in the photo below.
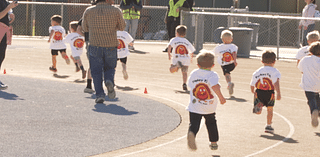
(169, 51)
(216, 89)
(7, 9)
(277, 87)
(234, 55)
(50, 36)
(252, 89)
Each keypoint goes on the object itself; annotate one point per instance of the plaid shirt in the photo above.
(102, 22)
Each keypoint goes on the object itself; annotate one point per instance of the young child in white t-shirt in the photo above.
(125, 40)
(57, 33)
(265, 80)
(181, 54)
(304, 51)
(227, 57)
(310, 82)
(77, 43)
(204, 93)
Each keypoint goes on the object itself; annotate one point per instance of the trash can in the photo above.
(255, 34)
(242, 38)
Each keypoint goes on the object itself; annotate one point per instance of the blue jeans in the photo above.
(131, 27)
(103, 61)
(313, 100)
(305, 32)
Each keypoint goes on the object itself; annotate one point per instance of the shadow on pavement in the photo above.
(317, 134)
(9, 96)
(60, 76)
(79, 81)
(237, 99)
(138, 52)
(126, 88)
(113, 109)
(279, 138)
(182, 92)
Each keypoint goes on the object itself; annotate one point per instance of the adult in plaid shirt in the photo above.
(102, 22)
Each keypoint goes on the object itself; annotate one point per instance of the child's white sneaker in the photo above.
(192, 141)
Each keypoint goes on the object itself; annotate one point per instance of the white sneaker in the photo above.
(110, 87)
(314, 118)
(3, 86)
(192, 141)
(88, 90)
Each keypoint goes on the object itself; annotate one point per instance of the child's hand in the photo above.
(49, 41)
(222, 100)
(169, 55)
(278, 96)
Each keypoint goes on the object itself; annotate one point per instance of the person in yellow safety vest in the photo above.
(172, 18)
(131, 14)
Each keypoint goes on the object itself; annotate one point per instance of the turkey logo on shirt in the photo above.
(227, 57)
(78, 43)
(202, 92)
(182, 50)
(57, 35)
(121, 44)
(265, 85)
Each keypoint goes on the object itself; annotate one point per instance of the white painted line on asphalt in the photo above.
(291, 132)
(163, 144)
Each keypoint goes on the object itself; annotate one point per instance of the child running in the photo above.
(204, 94)
(227, 57)
(76, 42)
(310, 82)
(266, 79)
(124, 39)
(182, 53)
(304, 51)
(57, 33)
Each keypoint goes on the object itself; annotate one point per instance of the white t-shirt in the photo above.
(181, 48)
(203, 100)
(303, 51)
(56, 42)
(224, 52)
(124, 38)
(310, 68)
(76, 42)
(265, 77)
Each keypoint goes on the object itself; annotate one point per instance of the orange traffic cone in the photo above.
(145, 91)
(4, 71)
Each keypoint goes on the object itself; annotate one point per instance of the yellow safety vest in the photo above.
(173, 8)
(129, 14)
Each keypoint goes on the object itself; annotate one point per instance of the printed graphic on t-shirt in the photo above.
(57, 36)
(227, 57)
(182, 50)
(265, 85)
(121, 44)
(78, 43)
(202, 92)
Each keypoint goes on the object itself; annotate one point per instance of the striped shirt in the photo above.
(102, 22)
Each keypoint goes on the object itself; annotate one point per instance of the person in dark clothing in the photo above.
(191, 4)
(172, 18)
(5, 7)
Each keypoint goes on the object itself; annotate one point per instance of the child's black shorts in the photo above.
(123, 60)
(55, 52)
(266, 97)
(227, 68)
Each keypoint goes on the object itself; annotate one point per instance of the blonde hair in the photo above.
(314, 35)
(226, 33)
(205, 59)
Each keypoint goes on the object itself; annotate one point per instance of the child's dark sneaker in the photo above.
(3, 86)
(53, 69)
(213, 146)
(184, 86)
(269, 129)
